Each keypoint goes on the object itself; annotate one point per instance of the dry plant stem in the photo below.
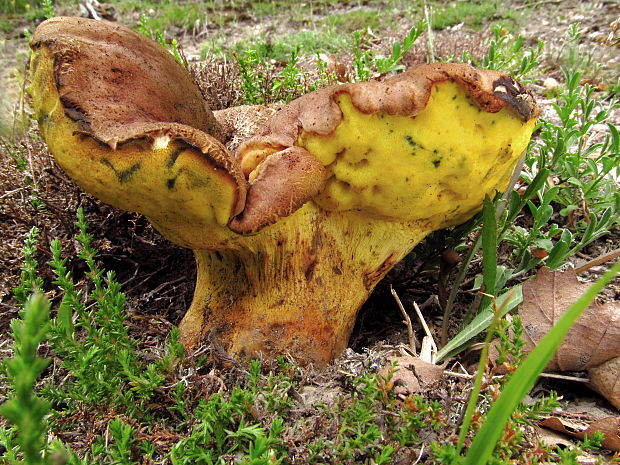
(428, 353)
(501, 206)
(457, 284)
(423, 322)
(428, 14)
(543, 375)
(420, 455)
(412, 344)
(576, 379)
(91, 7)
(598, 261)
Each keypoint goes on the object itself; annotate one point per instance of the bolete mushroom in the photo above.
(293, 234)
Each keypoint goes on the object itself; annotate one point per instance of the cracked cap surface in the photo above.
(125, 120)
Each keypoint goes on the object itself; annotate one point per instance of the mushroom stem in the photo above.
(299, 289)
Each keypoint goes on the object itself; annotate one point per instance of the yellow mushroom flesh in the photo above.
(385, 164)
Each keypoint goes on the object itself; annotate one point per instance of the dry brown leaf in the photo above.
(609, 426)
(552, 438)
(595, 337)
(569, 426)
(412, 374)
(605, 379)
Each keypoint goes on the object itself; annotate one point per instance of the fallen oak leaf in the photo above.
(552, 438)
(595, 337)
(608, 426)
(409, 375)
(605, 379)
(592, 344)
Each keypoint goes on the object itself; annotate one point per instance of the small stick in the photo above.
(407, 320)
(565, 377)
(598, 261)
(460, 277)
(530, 5)
(429, 32)
(576, 379)
(427, 331)
(419, 456)
(90, 7)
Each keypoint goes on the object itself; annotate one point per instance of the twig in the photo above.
(429, 32)
(565, 377)
(598, 261)
(90, 6)
(407, 321)
(162, 285)
(429, 335)
(458, 281)
(544, 2)
(576, 379)
(8, 193)
(148, 276)
(419, 456)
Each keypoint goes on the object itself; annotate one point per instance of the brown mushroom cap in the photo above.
(112, 80)
(403, 148)
(405, 94)
(126, 121)
(287, 180)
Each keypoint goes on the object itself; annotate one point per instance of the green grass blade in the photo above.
(489, 249)
(505, 302)
(477, 386)
(526, 375)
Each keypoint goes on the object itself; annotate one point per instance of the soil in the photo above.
(158, 276)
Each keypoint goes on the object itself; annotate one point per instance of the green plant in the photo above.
(549, 221)
(506, 52)
(28, 7)
(30, 281)
(473, 14)
(157, 35)
(47, 7)
(223, 426)
(119, 450)
(255, 78)
(584, 199)
(278, 49)
(367, 63)
(24, 409)
(590, 62)
(262, 83)
(96, 347)
(91, 338)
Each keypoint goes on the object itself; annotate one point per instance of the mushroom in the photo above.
(293, 234)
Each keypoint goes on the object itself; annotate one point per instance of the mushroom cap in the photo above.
(112, 80)
(280, 185)
(425, 145)
(126, 121)
(405, 94)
